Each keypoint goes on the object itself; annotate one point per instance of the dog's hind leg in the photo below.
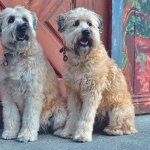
(121, 120)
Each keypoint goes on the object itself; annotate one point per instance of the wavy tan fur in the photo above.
(95, 84)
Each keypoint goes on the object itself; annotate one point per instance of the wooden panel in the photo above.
(116, 52)
(142, 66)
(12, 3)
(47, 32)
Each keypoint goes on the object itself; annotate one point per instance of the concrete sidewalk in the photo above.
(139, 141)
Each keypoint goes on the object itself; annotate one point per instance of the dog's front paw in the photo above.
(82, 137)
(7, 135)
(63, 133)
(27, 136)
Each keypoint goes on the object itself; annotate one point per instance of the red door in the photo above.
(47, 35)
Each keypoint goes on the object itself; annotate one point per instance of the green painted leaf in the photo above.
(141, 58)
(139, 25)
(124, 61)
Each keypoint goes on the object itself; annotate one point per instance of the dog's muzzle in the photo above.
(21, 32)
(85, 39)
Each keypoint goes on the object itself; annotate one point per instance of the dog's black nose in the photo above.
(86, 33)
(22, 28)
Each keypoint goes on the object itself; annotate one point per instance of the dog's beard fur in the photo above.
(13, 38)
(80, 49)
(73, 24)
(77, 42)
(9, 40)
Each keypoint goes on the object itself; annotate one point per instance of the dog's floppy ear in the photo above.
(35, 20)
(100, 24)
(61, 21)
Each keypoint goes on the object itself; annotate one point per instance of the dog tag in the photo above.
(5, 63)
(65, 58)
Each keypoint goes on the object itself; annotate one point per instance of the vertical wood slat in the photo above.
(72, 4)
(117, 28)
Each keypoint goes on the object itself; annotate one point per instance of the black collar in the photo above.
(8, 56)
(64, 50)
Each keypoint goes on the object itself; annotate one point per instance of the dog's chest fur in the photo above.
(16, 67)
(73, 76)
(17, 74)
(80, 77)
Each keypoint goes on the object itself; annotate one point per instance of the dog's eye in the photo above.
(76, 23)
(11, 19)
(25, 19)
(89, 23)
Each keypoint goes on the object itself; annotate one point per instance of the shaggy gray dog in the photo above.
(29, 88)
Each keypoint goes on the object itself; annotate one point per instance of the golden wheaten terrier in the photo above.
(29, 89)
(95, 84)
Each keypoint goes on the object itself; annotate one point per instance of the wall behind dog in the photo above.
(47, 33)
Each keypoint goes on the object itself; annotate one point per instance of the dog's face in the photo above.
(81, 29)
(18, 28)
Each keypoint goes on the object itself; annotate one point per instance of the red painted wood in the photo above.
(129, 67)
(47, 33)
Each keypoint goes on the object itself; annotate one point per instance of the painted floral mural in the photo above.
(139, 23)
(137, 29)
